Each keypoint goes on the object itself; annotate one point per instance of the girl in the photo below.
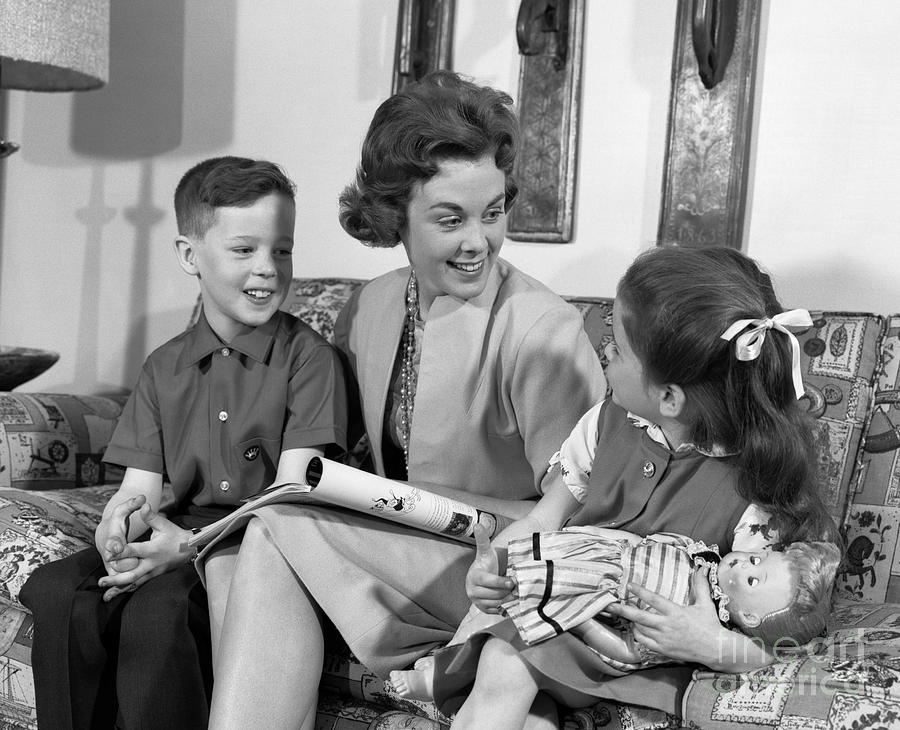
(703, 421)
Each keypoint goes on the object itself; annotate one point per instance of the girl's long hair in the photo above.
(676, 303)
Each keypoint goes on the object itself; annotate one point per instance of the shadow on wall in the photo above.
(171, 88)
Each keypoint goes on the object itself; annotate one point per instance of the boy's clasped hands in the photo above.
(131, 564)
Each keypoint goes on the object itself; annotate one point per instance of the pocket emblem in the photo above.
(251, 453)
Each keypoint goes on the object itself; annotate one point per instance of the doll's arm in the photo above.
(607, 641)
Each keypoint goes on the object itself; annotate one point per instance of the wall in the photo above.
(824, 213)
(86, 263)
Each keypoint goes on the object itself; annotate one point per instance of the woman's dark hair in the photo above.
(441, 117)
(224, 182)
(676, 303)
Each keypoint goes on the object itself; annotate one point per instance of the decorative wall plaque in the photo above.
(424, 39)
(550, 36)
(708, 149)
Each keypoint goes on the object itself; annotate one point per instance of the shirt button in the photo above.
(223, 416)
(224, 485)
(649, 469)
(225, 352)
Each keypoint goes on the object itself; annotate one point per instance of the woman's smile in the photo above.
(468, 267)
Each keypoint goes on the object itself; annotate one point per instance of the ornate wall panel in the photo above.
(708, 149)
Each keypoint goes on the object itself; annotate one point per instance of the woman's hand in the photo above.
(691, 633)
(485, 586)
(166, 549)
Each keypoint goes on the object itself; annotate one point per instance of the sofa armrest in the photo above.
(56, 441)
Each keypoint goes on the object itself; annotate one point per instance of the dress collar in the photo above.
(703, 555)
(656, 434)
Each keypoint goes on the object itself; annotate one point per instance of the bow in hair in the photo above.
(749, 342)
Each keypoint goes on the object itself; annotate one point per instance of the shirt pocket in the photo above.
(257, 461)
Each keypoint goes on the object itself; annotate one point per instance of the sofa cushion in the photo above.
(55, 441)
(852, 680)
(871, 571)
(839, 356)
(37, 527)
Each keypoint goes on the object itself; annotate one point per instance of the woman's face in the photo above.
(455, 224)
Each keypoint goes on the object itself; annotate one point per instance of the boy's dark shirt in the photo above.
(214, 418)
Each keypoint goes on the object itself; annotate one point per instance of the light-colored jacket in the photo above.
(503, 378)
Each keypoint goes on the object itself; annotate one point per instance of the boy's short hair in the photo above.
(813, 566)
(224, 182)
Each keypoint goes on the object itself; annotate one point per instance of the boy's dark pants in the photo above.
(140, 661)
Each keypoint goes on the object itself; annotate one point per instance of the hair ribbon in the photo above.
(749, 343)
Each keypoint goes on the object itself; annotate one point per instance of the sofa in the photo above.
(53, 486)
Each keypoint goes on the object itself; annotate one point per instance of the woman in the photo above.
(469, 374)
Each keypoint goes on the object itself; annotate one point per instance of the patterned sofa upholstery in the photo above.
(53, 488)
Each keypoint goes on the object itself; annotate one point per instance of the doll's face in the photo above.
(757, 583)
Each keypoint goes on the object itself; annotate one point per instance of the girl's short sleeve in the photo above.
(576, 455)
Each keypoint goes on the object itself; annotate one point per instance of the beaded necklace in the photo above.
(407, 368)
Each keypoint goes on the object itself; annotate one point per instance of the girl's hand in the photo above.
(685, 633)
(485, 586)
(692, 633)
(166, 549)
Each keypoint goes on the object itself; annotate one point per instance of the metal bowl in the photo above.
(20, 364)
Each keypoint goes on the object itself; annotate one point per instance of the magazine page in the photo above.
(345, 486)
(276, 494)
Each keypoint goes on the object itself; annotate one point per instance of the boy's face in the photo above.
(758, 584)
(243, 263)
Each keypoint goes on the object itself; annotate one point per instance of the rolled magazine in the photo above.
(332, 483)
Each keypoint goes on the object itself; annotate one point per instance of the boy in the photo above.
(246, 396)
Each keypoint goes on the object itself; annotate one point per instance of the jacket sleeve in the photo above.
(557, 378)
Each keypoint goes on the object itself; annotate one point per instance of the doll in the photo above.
(565, 579)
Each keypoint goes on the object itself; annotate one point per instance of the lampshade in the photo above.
(54, 45)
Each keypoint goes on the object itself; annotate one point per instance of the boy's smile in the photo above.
(243, 263)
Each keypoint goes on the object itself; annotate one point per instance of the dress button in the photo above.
(225, 352)
(223, 416)
(649, 469)
(224, 486)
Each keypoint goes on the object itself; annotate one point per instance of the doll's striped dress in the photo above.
(566, 577)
